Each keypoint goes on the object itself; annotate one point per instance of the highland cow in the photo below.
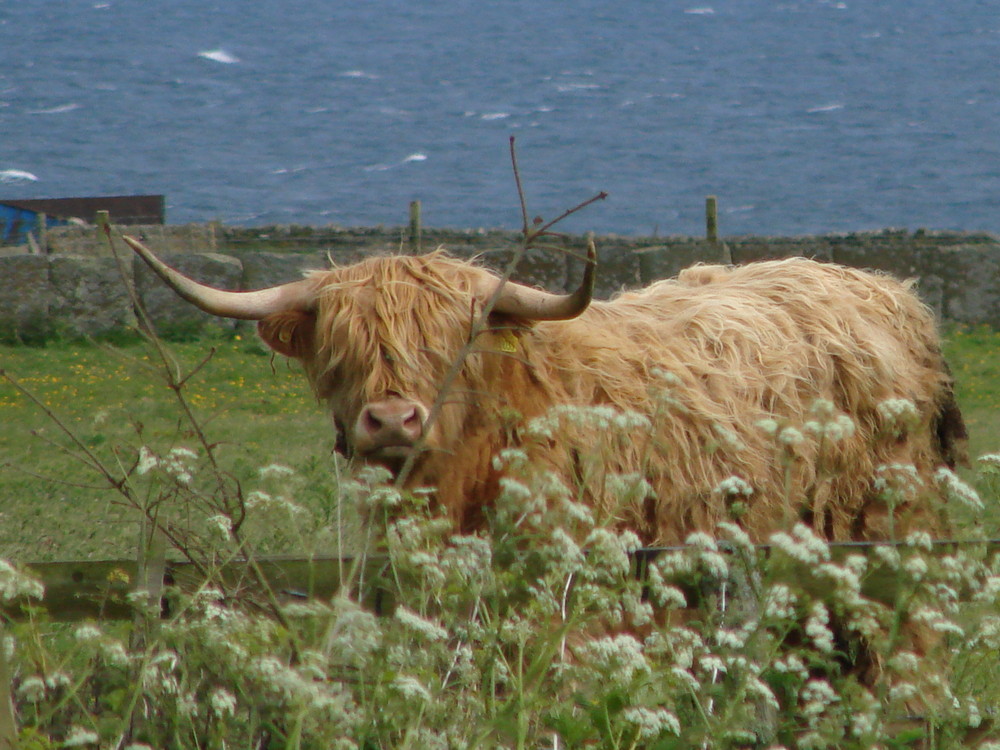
(793, 387)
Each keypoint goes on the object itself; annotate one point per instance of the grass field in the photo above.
(257, 408)
(495, 641)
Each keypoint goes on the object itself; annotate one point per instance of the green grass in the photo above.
(974, 355)
(258, 408)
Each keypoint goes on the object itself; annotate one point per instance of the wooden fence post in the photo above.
(712, 230)
(711, 219)
(415, 226)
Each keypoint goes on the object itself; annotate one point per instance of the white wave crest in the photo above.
(16, 175)
(416, 156)
(358, 74)
(824, 108)
(219, 56)
(62, 108)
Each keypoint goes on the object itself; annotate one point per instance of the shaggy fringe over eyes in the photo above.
(392, 324)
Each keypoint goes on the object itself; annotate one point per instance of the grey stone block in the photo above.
(89, 295)
(24, 297)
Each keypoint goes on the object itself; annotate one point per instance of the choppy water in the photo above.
(802, 116)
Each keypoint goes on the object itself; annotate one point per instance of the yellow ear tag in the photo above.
(508, 342)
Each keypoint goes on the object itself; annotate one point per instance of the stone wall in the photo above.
(76, 287)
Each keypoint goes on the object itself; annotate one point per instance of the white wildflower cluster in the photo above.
(276, 471)
(904, 662)
(900, 414)
(956, 491)
(32, 689)
(902, 692)
(989, 463)
(591, 419)
(779, 603)
(515, 490)
(628, 488)
(619, 658)
(802, 545)
(263, 502)
(14, 584)
(846, 581)
(562, 553)
(792, 664)
(664, 594)
(420, 626)
(510, 458)
(179, 463)
(816, 696)
(733, 486)
(147, 461)
(728, 437)
(733, 639)
(87, 632)
(157, 672)
(736, 536)
(608, 553)
(411, 688)
(705, 551)
(916, 567)
(790, 436)
(470, 558)
(920, 540)
(888, 555)
(114, 653)
(220, 527)
(758, 689)
(222, 702)
(354, 636)
(712, 665)
(573, 511)
(817, 627)
(80, 737)
(290, 685)
(832, 430)
(652, 722)
(936, 620)
(662, 392)
(768, 426)
(896, 483)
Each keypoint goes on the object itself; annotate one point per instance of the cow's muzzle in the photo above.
(387, 431)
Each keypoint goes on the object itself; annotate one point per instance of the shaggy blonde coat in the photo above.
(723, 372)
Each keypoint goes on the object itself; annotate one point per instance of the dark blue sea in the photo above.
(802, 116)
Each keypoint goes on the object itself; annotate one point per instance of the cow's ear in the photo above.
(289, 333)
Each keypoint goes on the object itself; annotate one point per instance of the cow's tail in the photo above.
(950, 431)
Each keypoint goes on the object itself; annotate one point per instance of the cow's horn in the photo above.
(296, 295)
(535, 304)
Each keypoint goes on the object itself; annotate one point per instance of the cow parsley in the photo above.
(652, 723)
(957, 491)
(79, 736)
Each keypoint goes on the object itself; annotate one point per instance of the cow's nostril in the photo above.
(391, 422)
(371, 423)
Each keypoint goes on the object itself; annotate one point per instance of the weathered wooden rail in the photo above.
(82, 589)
